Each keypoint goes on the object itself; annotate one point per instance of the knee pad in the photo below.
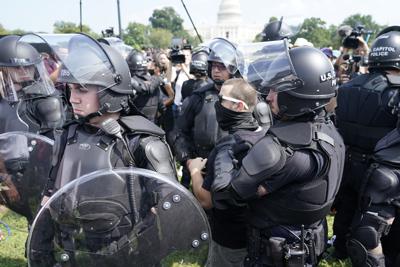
(370, 230)
(360, 257)
(366, 236)
(383, 185)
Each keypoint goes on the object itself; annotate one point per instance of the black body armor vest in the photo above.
(363, 115)
(305, 202)
(84, 152)
(207, 131)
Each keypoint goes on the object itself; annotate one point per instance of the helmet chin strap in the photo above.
(103, 109)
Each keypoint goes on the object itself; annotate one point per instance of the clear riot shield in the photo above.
(25, 161)
(267, 65)
(120, 217)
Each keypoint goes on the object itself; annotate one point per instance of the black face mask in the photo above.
(230, 120)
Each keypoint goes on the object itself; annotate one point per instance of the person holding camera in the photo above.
(352, 60)
(182, 75)
(363, 117)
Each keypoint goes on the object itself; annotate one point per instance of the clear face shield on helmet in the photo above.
(83, 60)
(24, 78)
(267, 66)
(222, 51)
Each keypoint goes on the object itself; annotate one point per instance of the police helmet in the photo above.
(223, 51)
(199, 62)
(22, 65)
(15, 53)
(137, 62)
(316, 83)
(385, 50)
(91, 63)
(276, 30)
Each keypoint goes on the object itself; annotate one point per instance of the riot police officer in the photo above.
(378, 190)
(363, 117)
(146, 87)
(198, 68)
(198, 128)
(99, 94)
(290, 177)
(29, 106)
(28, 101)
(103, 136)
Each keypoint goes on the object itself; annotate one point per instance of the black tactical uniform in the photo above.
(299, 163)
(28, 101)
(378, 189)
(363, 117)
(147, 88)
(81, 148)
(30, 106)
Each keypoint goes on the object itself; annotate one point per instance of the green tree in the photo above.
(166, 18)
(315, 31)
(137, 35)
(336, 40)
(365, 20)
(160, 38)
(18, 32)
(3, 31)
(70, 27)
(272, 19)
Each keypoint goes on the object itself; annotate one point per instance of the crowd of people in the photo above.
(258, 142)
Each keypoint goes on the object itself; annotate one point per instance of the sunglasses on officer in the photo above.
(234, 100)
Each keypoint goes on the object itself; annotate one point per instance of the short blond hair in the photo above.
(242, 90)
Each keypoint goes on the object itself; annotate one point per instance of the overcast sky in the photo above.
(40, 15)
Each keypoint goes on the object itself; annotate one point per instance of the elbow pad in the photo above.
(159, 157)
(263, 160)
(50, 112)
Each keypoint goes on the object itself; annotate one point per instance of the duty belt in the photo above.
(267, 250)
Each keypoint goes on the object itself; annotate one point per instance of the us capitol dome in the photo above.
(230, 24)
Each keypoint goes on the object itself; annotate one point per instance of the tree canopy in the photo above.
(167, 18)
(165, 23)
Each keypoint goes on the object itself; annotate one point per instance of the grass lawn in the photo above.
(12, 249)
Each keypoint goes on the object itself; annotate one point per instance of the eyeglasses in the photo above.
(219, 66)
(234, 100)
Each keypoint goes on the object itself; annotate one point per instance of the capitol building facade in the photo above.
(230, 25)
